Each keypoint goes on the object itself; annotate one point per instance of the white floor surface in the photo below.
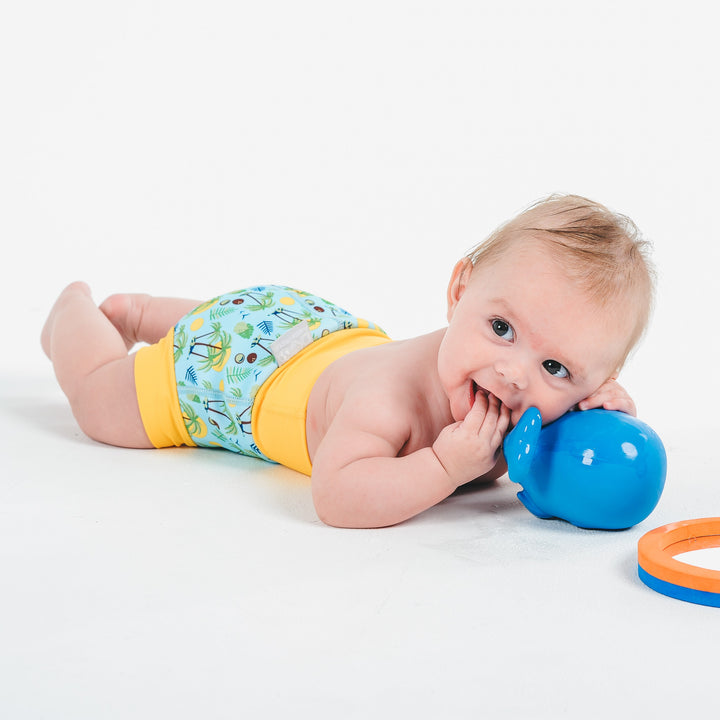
(189, 583)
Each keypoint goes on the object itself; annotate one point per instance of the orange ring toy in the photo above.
(659, 570)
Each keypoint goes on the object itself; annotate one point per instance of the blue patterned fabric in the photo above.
(222, 356)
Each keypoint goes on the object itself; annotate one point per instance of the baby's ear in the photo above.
(458, 282)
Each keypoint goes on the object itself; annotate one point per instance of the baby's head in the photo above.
(547, 308)
(602, 251)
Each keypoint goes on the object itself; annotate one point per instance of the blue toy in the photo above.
(596, 468)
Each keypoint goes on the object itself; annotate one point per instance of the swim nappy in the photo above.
(208, 382)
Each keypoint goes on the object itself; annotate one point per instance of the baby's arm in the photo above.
(611, 396)
(358, 479)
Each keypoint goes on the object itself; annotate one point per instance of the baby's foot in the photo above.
(125, 312)
(68, 294)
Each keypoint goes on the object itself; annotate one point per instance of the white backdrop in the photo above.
(357, 149)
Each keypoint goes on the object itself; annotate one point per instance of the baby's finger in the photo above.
(609, 398)
(502, 425)
(595, 400)
(621, 403)
(474, 419)
(492, 418)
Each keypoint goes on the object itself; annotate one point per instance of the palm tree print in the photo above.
(223, 354)
(216, 344)
(262, 302)
(193, 424)
(179, 342)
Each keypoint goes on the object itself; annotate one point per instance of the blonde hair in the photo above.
(601, 250)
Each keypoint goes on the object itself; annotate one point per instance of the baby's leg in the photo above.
(94, 369)
(144, 318)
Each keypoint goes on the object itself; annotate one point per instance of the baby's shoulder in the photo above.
(396, 392)
(401, 374)
(385, 391)
(387, 363)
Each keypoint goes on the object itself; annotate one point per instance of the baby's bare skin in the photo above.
(394, 429)
(397, 382)
(372, 420)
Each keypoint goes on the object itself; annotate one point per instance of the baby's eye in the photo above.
(503, 330)
(556, 369)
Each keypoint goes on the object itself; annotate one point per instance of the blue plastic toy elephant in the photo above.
(596, 469)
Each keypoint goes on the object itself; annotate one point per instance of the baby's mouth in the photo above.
(474, 389)
(480, 388)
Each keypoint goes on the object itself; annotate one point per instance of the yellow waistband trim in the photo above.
(280, 408)
(157, 394)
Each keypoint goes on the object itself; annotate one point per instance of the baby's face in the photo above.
(521, 330)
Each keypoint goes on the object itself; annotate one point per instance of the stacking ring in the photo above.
(659, 570)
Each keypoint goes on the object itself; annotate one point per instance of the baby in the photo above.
(543, 314)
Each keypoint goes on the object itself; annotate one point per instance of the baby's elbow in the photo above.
(327, 517)
(326, 506)
(333, 506)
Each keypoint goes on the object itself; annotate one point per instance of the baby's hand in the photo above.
(470, 448)
(611, 396)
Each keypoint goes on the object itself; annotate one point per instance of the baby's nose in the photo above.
(513, 374)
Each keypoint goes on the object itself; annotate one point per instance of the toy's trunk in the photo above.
(596, 469)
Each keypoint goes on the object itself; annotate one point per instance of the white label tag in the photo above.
(291, 342)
